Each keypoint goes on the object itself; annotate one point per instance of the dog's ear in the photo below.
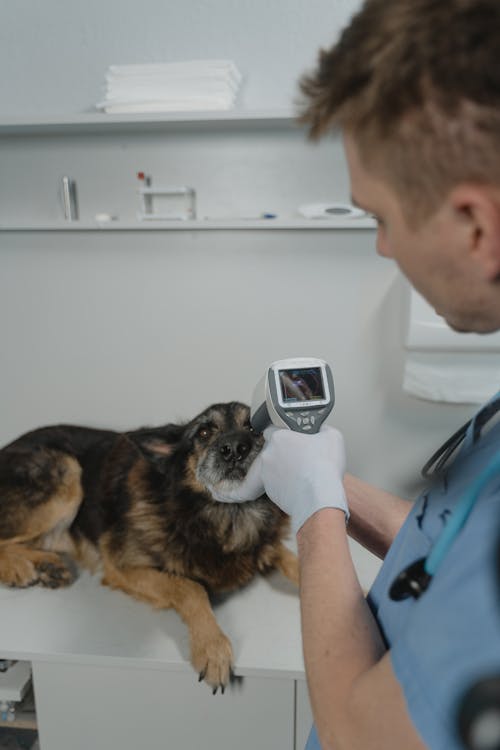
(157, 443)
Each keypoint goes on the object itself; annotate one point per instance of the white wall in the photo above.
(125, 329)
(235, 171)
(54, 53)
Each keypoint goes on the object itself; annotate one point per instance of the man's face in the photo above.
(435, 257)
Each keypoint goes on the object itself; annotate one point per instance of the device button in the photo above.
(306, 427)
(299, 421)
(306, 420)
(313, 420)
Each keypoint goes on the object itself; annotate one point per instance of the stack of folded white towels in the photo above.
(194, 85)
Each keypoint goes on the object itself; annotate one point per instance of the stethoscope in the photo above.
(416, 578)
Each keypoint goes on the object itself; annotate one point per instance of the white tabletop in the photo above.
(90, 623)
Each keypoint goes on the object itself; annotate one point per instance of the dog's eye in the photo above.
(204, 432)
(248, 426)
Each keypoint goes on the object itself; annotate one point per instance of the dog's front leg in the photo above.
(211, 652)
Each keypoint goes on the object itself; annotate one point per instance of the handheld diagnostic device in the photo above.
(294, 393)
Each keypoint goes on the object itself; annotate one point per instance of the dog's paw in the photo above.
(18, 574)
(212, 658)
(56, 572)
(20, 568)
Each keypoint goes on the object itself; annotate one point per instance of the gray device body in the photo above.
(297, 394)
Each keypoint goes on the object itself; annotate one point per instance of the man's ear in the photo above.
(479, 206)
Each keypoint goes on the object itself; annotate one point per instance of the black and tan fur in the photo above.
(138, 507)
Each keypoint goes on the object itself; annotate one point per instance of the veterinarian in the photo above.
(414, 86)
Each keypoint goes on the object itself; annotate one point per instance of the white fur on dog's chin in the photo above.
(231, 491)
(227, 492)
(226, 496)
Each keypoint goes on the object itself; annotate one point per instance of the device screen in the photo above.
(301, 384)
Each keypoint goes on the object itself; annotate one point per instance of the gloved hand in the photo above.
(300, 473)
(303, 473)
(249, 489)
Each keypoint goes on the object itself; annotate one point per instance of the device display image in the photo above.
(295, 393)
(304, 384)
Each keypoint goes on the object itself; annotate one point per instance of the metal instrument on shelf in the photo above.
(166, 203)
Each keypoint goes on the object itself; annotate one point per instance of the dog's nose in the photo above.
(235, 450)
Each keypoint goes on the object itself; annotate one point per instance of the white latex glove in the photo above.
(249, 489)
(303, 473)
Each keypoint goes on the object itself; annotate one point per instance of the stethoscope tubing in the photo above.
(414, 580)
(459, 517)
(439, 459)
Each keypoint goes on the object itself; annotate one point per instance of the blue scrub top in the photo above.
(449, 638)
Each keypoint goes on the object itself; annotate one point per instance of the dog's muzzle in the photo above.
(228, 460)
(235, 449)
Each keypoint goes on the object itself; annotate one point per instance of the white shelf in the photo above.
(88, 122)
(191, 225)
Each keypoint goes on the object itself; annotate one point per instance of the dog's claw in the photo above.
(202, 674)
(215, 690)
(222, 689)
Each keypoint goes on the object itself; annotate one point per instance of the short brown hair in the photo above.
(417, 84)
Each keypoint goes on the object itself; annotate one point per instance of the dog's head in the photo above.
(223, 446)
(213, 451)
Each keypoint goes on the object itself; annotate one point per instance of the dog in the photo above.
(138, 507)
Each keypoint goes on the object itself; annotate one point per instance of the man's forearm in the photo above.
(355, 699)
(376, 515)
(339, 635)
